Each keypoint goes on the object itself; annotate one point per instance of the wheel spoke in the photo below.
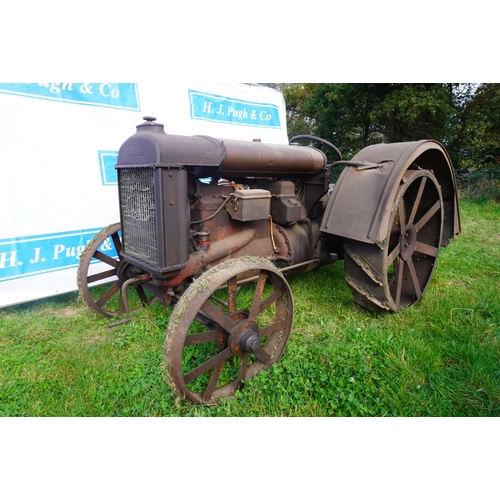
(392, 256)
(273, 328)
(200, 338)
(414, 279)
(117, 243)
(106, 258)
(207, 365)
(262, 355)
(219, 301)
(109, 236)
(399, 282)
(401, 215)
(276, 295)
(218, 316)
(214, 378)
(426, 249)
(101, 276)
(423, 221)
(142, 296)
(115, 288)
(259, 290)
(232, 294)
(416, 203)
(243, 367)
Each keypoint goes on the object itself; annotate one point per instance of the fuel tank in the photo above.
(206, 156)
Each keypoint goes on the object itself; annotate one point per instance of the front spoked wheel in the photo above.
(231, 323)
(102, 272)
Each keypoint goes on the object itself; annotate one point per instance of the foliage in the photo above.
(353, 116)
(439, 358)
(464, 117)
(480, 184)
(475, 141)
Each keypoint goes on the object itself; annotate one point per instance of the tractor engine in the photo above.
(187, 203)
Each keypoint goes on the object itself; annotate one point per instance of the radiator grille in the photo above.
(137, 199)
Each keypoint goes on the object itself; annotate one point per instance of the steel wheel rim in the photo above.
(395, 272)
(107, 277)
(220, 368)
(106, 299)
(417, 221)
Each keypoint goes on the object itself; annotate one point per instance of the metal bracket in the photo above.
(126, 284)
(362, 165)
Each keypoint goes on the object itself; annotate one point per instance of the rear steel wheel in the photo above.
(226, 328)
(100, 275)
(396, 272)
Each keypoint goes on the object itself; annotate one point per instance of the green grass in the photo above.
(439, 358)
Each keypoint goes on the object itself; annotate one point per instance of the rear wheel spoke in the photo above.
(414, 279)
(392, 256)
(426, 249)
(401, 213)
(399, 285)
(416, 203)
(425, 219)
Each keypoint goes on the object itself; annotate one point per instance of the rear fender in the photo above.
(361, 202)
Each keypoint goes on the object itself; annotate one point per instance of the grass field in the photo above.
(440, 358)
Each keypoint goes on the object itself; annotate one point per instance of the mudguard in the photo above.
(362, 199)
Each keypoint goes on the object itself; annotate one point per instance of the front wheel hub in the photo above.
(249, 341)
(245, 339)
(126, 271)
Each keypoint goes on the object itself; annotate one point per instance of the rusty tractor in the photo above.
(213, 228)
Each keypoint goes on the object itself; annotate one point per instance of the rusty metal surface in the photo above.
(107, 298)
(249, 204)
(150, 145)
(216, 251)
(258, 159)
(154, 206)
(205, 155)
(85, 279)
(396, 272)
(246, 337)
(361, 202)
(202, 217)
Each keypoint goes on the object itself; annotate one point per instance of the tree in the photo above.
(475, 139)
(353, 116)
(415, 111)
(464, 117)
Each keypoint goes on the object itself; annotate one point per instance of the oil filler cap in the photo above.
(150, 122)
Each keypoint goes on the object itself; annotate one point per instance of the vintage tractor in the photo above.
(213, 227)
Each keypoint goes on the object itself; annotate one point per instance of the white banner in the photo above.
(58, 147)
